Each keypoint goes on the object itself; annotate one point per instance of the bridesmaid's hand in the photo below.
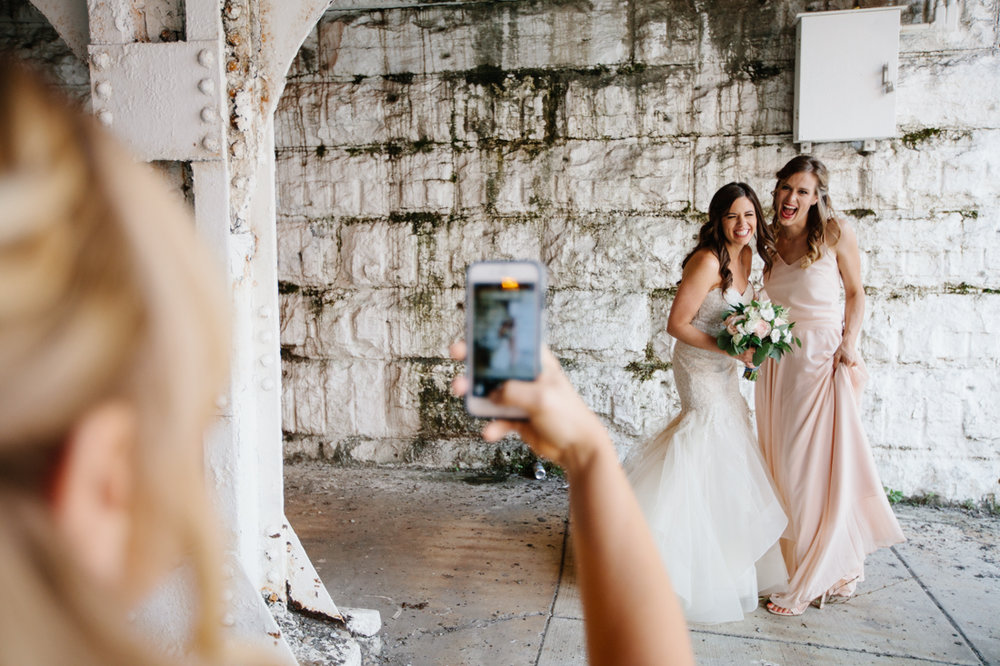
(845, 354)
(747, 357)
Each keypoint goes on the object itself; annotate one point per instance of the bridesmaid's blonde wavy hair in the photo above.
(822, 227)
(104, 294)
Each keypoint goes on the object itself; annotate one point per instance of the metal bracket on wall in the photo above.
(165, 100)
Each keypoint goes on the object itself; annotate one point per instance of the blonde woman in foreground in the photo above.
(112, 348)
(631, 615)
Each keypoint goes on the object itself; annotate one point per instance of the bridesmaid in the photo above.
(808, 417)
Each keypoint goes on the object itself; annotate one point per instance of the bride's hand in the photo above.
(560, 427)
(747, 357)
(845, 354)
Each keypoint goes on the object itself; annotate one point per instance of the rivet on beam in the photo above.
(210, 144)
(101, 61)
(267, 384)
(106, 118)
(103, 90)
(205, 58)
(208, 114)
(206, 86)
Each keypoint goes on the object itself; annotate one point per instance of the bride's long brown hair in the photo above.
(713, 237)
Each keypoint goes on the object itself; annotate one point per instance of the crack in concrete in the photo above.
(811, 644)
(555, 593)
(954, 623)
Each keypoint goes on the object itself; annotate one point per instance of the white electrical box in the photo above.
(845, 75)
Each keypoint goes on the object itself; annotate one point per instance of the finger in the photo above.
(457, 350)
(549, 360)
(496, 430)
(460, 385)
(515, 393)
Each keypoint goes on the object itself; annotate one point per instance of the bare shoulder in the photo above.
(702, 262)
(702, 268)
(842, 236)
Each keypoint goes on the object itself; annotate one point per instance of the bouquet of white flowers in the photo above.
(761, 324)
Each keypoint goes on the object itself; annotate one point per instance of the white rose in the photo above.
(788, 335)
(775, 335)
(778, 322)
(766, 312)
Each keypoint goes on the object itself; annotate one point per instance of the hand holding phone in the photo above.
(504, 303)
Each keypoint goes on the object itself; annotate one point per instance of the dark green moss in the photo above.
(486, 75)
(966, 288)
(644, 370)
(358, 78)
(287, 287)
(756, 70)
(320, 151)
(664, 294)
(441, 413)
(405, 78)
(423, 145)
(860, 213)
(551, 103)
(393, 148)
(912, 139)
(632, 68)
(307, 58)
(421, 222)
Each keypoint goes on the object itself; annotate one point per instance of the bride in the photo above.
(701, 481)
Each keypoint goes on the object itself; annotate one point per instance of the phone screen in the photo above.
(505, 334)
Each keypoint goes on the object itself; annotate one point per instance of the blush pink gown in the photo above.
(812, 439)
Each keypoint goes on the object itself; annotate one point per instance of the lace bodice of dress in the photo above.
(707, 379)
(709, 316)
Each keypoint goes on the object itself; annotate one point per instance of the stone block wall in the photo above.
(591, 135)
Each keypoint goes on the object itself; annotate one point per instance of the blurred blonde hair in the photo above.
(822, 227)
(104, 294)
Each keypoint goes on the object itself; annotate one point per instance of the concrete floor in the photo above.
(468, 569)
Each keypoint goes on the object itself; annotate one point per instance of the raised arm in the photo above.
(849, 265)
(631, 615)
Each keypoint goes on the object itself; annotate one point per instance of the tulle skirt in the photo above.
(712, 510)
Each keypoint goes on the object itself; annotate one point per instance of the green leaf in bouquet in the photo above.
(759, 355)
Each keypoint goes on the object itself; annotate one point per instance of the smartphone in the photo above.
(504, 302)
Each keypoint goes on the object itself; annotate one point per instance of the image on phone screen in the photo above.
(505, 334)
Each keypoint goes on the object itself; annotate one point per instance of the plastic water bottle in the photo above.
(539, 468)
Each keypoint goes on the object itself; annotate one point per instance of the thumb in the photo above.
(516, 393)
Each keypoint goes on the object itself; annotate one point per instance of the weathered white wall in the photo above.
(591, 135)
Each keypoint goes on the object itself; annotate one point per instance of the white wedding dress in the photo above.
(702, 485)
